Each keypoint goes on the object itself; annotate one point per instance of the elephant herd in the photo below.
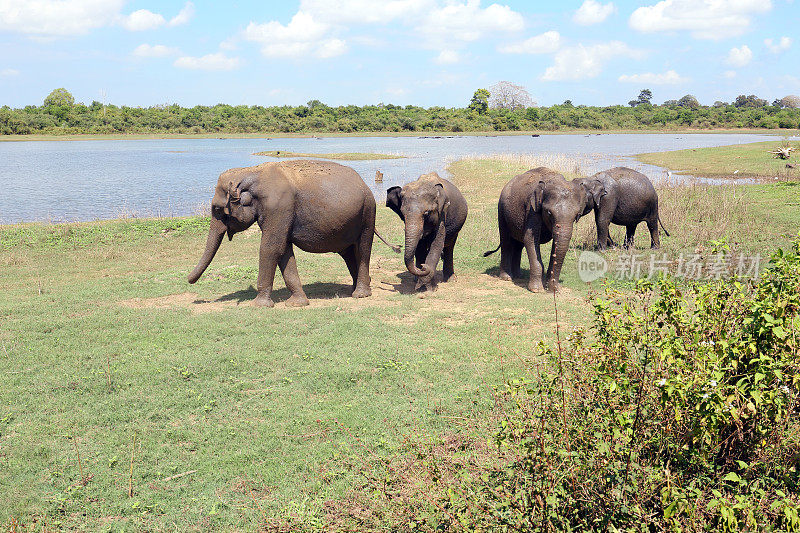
(322, 206)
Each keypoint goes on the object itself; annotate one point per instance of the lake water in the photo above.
(86, 180)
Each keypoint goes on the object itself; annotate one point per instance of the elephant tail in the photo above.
(394, 247)
(662, 226)
(490, 252)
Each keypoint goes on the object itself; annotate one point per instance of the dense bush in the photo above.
(676, 410)
(318, 117)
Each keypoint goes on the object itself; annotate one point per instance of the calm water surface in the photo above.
(86, 180)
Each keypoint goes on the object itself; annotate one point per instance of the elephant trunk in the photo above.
(562, 234)
(215, 234)
(413, 236)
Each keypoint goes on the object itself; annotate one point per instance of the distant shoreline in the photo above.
(164, 136)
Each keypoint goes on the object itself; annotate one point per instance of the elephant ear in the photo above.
(244, 190)
(597, 191)
(394, 200)
(442, 201)
(537, 197)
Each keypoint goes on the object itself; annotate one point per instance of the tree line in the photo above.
(511, 110)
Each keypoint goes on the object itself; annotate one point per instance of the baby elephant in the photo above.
(625, 197)
(434, 212)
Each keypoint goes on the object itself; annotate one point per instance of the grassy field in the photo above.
(348, 156)
(735, 161)
(118, 375)
(278, 135)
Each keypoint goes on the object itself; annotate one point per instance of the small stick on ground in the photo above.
(108, 372)
(83, 480)
(176, 476)
(130, 478)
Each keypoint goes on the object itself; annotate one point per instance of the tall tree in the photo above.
(480, 101)
(506, 95)
(59, 97)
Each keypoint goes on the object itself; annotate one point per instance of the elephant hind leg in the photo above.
(447, 261)
(363, 251)
(652, 225)
(516, 259)
(349, 256)
(630, 230)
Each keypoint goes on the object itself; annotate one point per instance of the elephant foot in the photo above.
(504, 276)
(452, 277)
(535, 287)
(262, 300)
(297, 300)
(553, 286)
(362, 292)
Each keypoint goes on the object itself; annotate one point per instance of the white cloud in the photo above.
(447, 57)
(593, 12)
(218, 61)
(582, 62)
(469, 22)
(781, 46)
(302, 36)
(545, 43)
(183, 16)
(669, 77)
(739, 57)
(142, 20)
(706, 19)
(158, 50)
(55, 18)
(8, 72)
(364, 11)
(729, 74)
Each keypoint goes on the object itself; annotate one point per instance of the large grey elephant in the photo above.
(317, 206)
(434, 211)
(535, 207)
(625, 197)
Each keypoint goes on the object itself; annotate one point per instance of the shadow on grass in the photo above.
(314, 291)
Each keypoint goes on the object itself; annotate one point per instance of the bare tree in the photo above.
(506, 95)
(791, 101)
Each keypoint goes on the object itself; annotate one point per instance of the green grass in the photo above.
(735, 161)
(349, 156)
(102, 338)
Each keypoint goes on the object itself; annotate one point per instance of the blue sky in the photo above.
(422, 52)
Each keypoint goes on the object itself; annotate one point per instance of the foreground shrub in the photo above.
(676, 410)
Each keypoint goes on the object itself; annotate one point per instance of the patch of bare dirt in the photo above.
(186, 300)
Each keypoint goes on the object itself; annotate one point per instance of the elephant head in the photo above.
(422, 205)
(594, 192)
(560, 204)
(233, 209)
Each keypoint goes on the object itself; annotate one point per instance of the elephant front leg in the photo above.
(267, 262)
(291, 277)
(447, 263)
(603, 236)
(630, 231)
(537, 267)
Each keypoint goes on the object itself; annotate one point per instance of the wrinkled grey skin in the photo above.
(625, 197)
(534, 208)
(318, 206)
(434, 211)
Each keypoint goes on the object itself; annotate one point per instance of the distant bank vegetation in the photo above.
(59, 114)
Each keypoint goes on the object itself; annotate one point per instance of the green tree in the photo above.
(689, 101)
(480, 101)
(59, 97)
(644, 98)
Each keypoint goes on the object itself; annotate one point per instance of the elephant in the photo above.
(535, 207)
(318, 206)
(434, 211)
(625, 197)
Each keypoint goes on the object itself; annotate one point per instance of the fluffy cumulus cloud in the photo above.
(56, 18)
(143, 19)
(705, 19)
(218, 61)
(783, 44)
(593, 12)
(447, 57)
(364, 11)
(469, 21)
(302, 36)
(583, 62)
(739, 57)
(669, 77)
(545, 43)
(158, 50)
